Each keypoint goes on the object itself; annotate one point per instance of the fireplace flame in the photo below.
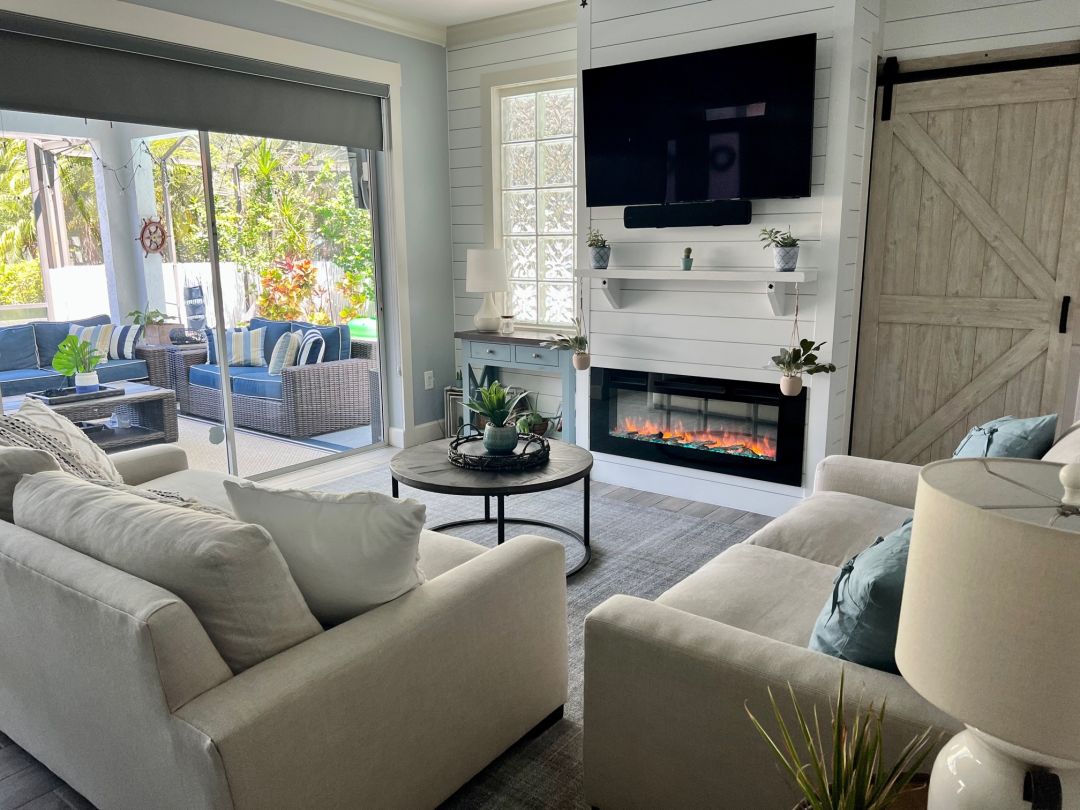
(722, 441)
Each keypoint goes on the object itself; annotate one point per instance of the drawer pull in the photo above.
(491, 351)
(536, 355)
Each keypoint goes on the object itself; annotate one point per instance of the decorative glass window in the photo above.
(535, 171)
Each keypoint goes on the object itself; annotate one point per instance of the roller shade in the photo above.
(64, 69)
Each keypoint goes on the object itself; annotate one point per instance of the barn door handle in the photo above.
(1063, 319)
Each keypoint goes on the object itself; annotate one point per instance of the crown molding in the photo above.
(373, 18)
(520, 22)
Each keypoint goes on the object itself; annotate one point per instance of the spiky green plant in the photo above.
(496, 402)
(774, 237)
(857, 778)
(577, 342)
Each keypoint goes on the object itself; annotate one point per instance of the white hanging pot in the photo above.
(790, 386)
(581, 361)
(86, 382)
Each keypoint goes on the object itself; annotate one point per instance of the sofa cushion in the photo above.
(336, 337)
(260, 384)
(1067, 449)
(830, 527)
(312, 348)
(441, 552)
(286, 350)
(203, 486)
(15, 462)
(124, 338)
(24, 380)
(764, 591)
(118, 370)
(1009, 437)
(229, 573)
(273, 333)
(17, 348)
(48, 334)
(245, 346)
(99, 337)
(208, 376)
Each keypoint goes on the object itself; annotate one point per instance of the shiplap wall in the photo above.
(729, 330)
(915, 29)
(470, 68)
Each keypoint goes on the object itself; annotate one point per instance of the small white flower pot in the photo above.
(86, 383)
(581, 361)
(790, 386)
(785, 258)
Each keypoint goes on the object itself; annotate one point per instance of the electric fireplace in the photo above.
(727, 426)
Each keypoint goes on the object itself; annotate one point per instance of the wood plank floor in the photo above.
(26, 784)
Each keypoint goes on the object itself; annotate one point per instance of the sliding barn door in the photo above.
(973, 242)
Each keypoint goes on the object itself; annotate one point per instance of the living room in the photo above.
(611, 403)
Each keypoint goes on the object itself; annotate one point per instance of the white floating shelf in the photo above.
(776, 283)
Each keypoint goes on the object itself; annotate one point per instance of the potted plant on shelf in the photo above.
(796, 361)
(785, 248)
(599, 250)
(687, 259)
(858, 775)
(76, 358)
(578, 343)
(496, 404)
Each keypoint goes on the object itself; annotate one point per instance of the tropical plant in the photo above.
(74, 356)
(595, 239)
(496, 402)
(146, 316)
(18, 237)
(21, 283)
(578, 343)
(774, 237)
(289, 291)
(802, 359)
(857, 777)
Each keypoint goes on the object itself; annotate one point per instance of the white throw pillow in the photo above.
(348, 552)
(63, 430)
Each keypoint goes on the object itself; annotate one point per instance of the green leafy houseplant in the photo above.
(146, 316)
(774, 237)
(848, 771)
(802, 359)
(578, 343)
(496, 403)
(74, 356)
(595, 239)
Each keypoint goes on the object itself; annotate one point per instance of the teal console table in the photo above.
(487, 352)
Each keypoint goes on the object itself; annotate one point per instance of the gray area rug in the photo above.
(637, 550)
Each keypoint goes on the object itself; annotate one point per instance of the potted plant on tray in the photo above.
(799, 360)
(858, 777)
(578, 343)
(599, 250)
(785, 248)
(76, 358)
(496, 403)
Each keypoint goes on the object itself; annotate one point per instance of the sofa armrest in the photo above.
(328, 396)
(403, 704)
(665, 722)
(886, 481)
(147, 463)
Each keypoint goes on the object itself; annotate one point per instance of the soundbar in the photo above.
(688, 215)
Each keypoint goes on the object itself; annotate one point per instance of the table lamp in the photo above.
(990, 629)
(485, 272)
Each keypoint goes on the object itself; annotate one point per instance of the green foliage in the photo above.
(74, 356)
(18, 239)
(289, 292)
(595, 239)
(774, 237)
(577, 343)
(857, 777)
(802, 359)
(346, 230)
(686, 252)
(495, 403)
(145, 316)
(21, 283)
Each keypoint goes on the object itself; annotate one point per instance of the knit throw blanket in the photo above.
(18, 432)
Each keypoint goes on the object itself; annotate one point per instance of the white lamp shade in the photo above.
(485, 270)
(990, 621)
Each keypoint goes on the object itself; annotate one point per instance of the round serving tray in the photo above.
(468, 452)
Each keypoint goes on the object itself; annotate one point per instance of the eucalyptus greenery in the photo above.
(578, 343)
(496, 402)
(74, 356)
(802, 359)
(857, 778)
(774, 237)
(595, 239)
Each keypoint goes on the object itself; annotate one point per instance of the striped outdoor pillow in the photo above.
(124, 338)
(245, 347)
(99, 338)
(312, 348)
(285, 352)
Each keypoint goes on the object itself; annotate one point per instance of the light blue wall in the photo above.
(425, 150)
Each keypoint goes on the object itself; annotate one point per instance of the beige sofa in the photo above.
(114, 685)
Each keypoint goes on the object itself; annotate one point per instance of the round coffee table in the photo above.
(426, 467)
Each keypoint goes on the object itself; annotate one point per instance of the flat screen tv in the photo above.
(733, 123)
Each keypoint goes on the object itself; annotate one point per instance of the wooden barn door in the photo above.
(973, 241)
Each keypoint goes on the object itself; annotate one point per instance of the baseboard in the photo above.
(419, 434)
(396, 437)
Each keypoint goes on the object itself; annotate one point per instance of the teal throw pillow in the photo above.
(1009, 437)
(860, 618)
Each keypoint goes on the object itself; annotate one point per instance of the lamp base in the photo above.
(486, 318)
(976, 771)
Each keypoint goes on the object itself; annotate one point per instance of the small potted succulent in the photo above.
(687, 259)
(534, 422)
(795, 362)
(496, 403)
(599, 250)
(76, 358)
(785, 248)
(578, 343)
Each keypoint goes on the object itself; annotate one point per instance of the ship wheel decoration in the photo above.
(152, 237)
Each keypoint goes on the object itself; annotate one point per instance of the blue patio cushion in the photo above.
(48, 335)
(261, 384)
(208, 376)
(336, 337)
(274, 331)
(24, 380)
(117, 370)
(17, 348)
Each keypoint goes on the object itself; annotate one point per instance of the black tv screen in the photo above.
(733, 123)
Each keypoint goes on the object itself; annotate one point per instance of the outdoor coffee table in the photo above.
(426, 467)
(152, 411)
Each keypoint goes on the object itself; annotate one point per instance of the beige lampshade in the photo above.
(990, 622)
(485, 270)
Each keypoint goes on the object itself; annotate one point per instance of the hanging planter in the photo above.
(800, 358)
(578, 343)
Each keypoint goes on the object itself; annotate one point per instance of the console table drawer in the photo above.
(489, 351)
(535, 356)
